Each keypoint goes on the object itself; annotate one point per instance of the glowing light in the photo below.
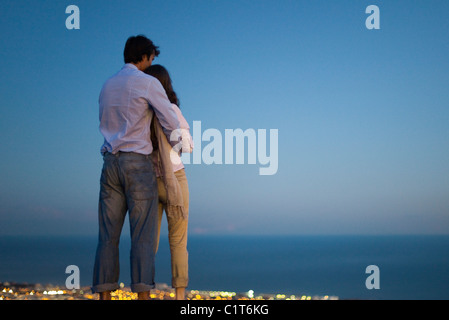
(53, 292)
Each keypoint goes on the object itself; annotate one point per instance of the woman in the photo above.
(177, 223)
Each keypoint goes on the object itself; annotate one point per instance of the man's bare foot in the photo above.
(143, 295)
(105, 295)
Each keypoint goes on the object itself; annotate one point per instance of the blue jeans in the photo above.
(127, 184)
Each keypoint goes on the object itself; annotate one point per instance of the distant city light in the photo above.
(164, 292)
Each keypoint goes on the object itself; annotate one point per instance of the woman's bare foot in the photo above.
(180, 293)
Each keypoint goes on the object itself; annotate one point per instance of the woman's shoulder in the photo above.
(181, 118)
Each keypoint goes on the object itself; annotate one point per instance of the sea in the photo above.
(408, 267)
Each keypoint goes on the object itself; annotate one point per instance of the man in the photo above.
(128, 183)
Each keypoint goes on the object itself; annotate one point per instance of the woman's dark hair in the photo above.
(138, 46)
(160, 73)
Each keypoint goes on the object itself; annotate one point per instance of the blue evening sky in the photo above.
(362, 115)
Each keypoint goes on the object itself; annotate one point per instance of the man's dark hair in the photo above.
(138, 46)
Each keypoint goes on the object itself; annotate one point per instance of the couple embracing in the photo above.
(141, 122)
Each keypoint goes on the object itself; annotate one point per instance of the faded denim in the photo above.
(127, 184)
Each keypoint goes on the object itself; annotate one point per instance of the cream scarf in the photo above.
(161, 156)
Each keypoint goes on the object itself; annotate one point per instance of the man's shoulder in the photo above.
(126, 74)
(137, 75)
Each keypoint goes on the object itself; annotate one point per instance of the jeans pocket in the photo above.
(141, 184)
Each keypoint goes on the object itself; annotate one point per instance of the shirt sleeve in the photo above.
(187, 140)
(163, 109)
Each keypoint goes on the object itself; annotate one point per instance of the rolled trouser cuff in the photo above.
(179, 283)
(105, 287)
(142, 287)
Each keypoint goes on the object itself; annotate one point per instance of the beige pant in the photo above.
(177, 233)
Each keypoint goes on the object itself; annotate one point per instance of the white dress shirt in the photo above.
(127, 101)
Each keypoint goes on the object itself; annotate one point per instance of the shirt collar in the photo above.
(130, 66)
